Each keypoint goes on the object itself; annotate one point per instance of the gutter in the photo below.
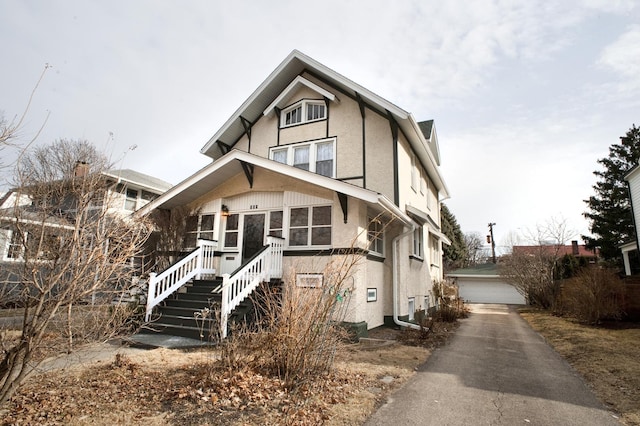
(395, 271)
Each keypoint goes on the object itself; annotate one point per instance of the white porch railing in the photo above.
(235, 288)
(197, 263)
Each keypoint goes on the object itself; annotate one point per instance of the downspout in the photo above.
(395, 271)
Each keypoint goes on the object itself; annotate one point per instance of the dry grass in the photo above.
(607, 357)
(162, 387)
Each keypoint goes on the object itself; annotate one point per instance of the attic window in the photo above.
(304, 111)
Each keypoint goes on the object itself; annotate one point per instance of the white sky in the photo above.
(526, 95)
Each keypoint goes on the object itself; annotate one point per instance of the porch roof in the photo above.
(234, 163)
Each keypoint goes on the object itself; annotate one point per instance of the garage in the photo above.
(483, 284)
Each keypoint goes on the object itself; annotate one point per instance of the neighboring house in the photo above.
(483, 284)
(320, 166)
(629, 250)
(558, 251)
(127, 190)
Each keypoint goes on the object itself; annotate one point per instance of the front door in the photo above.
(253, 235)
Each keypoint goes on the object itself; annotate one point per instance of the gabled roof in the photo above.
(142, 180)
(486, 270)
(293, 66)
(428, 129)
(231, 164)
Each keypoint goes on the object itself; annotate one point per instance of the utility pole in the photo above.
(491, 240)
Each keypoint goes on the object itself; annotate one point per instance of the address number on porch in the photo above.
(253, 207)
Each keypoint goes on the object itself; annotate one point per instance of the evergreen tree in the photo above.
(454, 255)
(611, 222)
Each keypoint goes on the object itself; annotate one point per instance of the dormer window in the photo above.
(304, 111)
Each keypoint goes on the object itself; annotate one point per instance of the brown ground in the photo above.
(607, 357)
(162, 386)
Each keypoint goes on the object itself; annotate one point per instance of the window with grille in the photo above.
(310, 226)
(304, 111)
(316, 156)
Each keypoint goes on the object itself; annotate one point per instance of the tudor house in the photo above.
(316, 166)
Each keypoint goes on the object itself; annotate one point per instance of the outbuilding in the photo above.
(483, 284)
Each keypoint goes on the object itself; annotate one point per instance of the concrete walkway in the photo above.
(495, 371)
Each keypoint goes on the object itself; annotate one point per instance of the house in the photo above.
(125, 191)
(316, 166)
(630, 248)
(559, 250)
(483, 284)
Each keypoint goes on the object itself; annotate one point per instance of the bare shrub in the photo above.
(594, 295)
(298, 329)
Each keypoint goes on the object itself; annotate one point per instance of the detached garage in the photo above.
(483, 284)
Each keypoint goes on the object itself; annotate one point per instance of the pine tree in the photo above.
(454, 255)
(611, 222)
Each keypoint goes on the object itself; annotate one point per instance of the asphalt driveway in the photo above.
(495, 371)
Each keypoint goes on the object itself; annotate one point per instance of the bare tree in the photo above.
(533, 269)
(473, 242)
(68, 250)
(10, 129)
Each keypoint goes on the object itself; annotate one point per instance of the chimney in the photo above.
(81, 169)
(575, 250)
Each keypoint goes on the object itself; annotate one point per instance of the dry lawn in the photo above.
(607, 357)
(162, 387)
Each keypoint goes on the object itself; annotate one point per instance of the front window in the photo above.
(318, 156)
(275, 223)
(310, 226)
(301, 157)
(198, 227)
(231, 231)
(293, 116)
(304, 111)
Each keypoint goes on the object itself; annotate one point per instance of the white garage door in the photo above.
(476, 290)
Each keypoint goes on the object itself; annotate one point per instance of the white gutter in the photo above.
(395, 271)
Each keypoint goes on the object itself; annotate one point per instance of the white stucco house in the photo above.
(318, 166)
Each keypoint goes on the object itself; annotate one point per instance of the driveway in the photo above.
(495, 371)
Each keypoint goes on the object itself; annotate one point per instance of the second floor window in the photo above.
(317, 156)
(131, 200)
(375, 235)
(418, 242)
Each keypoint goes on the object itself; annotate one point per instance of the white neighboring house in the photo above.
(327, 167)
(132, 191)
(630, 248)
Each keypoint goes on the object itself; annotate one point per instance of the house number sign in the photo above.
(253, 207)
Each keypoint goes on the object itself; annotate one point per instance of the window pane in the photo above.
(300, 216)
(190, 240)
(231, 239)
(324, 159)
(192, 224)
(298, 236)
(208, 235)
(322, 215)
(280, 156)
(321, 236)
(301, 157)
(275, 220)
(206, 224)
(232, 222)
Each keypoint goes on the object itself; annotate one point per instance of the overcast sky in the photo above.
(526, 95)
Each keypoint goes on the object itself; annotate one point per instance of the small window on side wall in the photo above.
(372, 294)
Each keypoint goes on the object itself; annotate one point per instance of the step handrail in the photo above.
(197, 263)
(264, 266)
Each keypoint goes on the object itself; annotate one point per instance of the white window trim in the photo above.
(309, 226)
(312, 153)
(370, 221)
(126, 198)
(411, 306)
(303, 114)
(414, 173)
(418, 235)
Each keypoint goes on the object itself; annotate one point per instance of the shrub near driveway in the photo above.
(607, 357)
